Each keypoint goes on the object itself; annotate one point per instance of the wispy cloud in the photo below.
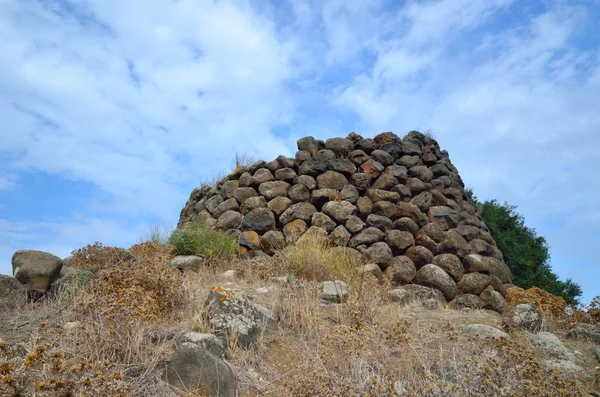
(142, 103)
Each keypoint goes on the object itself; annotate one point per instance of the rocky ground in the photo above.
(140, 326)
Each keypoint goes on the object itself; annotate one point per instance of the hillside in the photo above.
(359, 267)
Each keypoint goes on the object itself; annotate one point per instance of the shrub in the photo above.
(545, 301)
(95, 257)
(202, 240)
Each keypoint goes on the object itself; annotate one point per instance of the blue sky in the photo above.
(112, 111)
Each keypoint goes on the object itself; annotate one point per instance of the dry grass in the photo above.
(365, 346)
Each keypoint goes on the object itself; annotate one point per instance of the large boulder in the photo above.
(36, 270)
(401, 270)
(525, 316)
(187, 262)
(11, 291)
(339, 211)
(228, 313)
(549, 344)
(193, 369)
(413, 292)
(261, 220)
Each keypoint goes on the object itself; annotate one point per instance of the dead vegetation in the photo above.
(94, 340)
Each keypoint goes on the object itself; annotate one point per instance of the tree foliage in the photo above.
(524, 251)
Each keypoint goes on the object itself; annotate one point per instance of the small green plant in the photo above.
(202, 240)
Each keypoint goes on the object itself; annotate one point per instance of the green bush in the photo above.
(202, 240)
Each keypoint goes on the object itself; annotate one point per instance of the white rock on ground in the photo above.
(482, 330)
(334, 291)
(549, 343)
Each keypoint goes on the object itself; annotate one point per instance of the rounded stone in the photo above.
(299, 193)
(262, 175)
(339, 237)
(385, 182)
(367, 236)
(331, 180)
(350, 193)
(307, 181)
(399, 241)
(381, 222)
(401, 270)
(361, 181)
(279, 204)
(473, 283)
(354, 224)
(379, 253)
(244, 193)
(229, 220)
(382, 157)
(406, 225)
(341, 146)
(273, 189)
(432, 276)
(365, 206)
(378, 195)
(421, 172)
(421, 256)
(272, 241)
(293, 230)
(451, 265)
(260, 220)
(323, 221)
(384, 208)
(467, 301)
(343, 166)
(285, 174)
(252, 203)
(303, 211)
(357, 157)
(339, 210)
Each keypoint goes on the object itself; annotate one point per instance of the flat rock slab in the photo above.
(334, 291)
(484, 331)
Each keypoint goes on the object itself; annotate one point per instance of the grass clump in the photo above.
(202, 240)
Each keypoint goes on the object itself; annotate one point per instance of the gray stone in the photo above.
(354, 224)
(421, 256)
(473, 283)
(331, 180)
(403, 191)
(285, 174)
(208, 341)
(227, 205)
(408, 161)
(407, 210)
(279, 204)
(194, 369)
(229, 188)
(256, 166)
(244, 193)
(302, 156)
(365, 206)
(310, 144)
(399, 241)
(350, 193)
(433, 276)
(467, 301)
(444, 217)
(393, 149)
(228, 312)
(252, 203)
(321, 220)
(584, 333)
(484, 331)
(321, 196)
(340, 236)
(567, 367)
(36, 270)
(372, 269)
(525, 316)
(312, 167)
(367, 145)
(187, 262)
(307, 181)
(285, 162)
(334, 291)
(492, 300)
(339, 210)
(212, 203)
(381, 222)
(314, 236)
(361, 181)
(382, 157)
(367, 236)
(455, 244)
(273, 189)
(299, 193)
(229, 220)
(303, 211)
(549, 344)
(341, 146)
(401, 270)
(378, 195)
(272, 241)
(451, 265)
(422, 200)
(372, 168)
(385, 208)
(12, 292)
(413, 292)
(294, 230)
(422, 172)
(357, 157)
(261, 220)
(379, 253)
(385, 182)
(416, 186)
(407, 225)
(343, 166)
(325, 155)
(262, 175)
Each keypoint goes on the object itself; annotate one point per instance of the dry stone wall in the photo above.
(399, 202)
